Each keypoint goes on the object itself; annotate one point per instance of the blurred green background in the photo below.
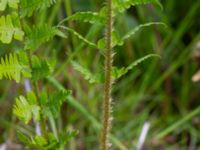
(164, 92)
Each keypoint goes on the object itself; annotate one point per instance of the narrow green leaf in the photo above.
(91, 17)
(79, 36)
(122, 5)
(119, 72)
(86, 73)
(136, 29)
(140, 60)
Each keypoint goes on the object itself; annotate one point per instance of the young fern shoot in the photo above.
(107, 102)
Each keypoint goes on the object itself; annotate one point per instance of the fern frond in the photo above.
(11, 3)
(28, 6)
(140, 60)
(41, 68)
(79, 36)
(86, 73)
(116, 40)
(38, 35)
(10, 68)
(26, 110)
(119, 72)
(138, 28)
(10, 27)
(122, 5)
(91, 17)
(53, 103)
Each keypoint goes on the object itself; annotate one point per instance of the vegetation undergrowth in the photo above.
(73, 66)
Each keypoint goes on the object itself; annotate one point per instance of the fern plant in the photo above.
(105, 17)
(41, 107)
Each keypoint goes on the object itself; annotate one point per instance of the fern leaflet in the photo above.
(117, 73)
(116, 40)
(11, 3)
(10, 27)
(10, 68)
(38, 35)
(79, 36)
(52, 103)
(26, 109)
(122, 5)
(91, 17)
(28, 6)
(86, 73)
(136, 29)
(41, 68)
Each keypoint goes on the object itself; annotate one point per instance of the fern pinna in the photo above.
(40, 106)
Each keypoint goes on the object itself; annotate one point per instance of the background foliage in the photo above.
(164, 92)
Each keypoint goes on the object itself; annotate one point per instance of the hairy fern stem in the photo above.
(107, 102)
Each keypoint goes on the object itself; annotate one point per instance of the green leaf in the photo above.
(11, 69)
(79, 36)
(11, 3)
(24, 62)
(40, 141)
(3, 4)
(137, 28)
(122, 5)
(116, 40)
(27, 7)
(41, 68)
(32, 98)
(10, 27)
(116, 72)
(91, 17)
(54, 102)
(26, 110)
(23, 138)
(140, 60)
(119, 72)
(38, 35)
(66, 136)
(86, 73)
(49, 142)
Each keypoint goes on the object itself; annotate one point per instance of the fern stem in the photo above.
(107, 102)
